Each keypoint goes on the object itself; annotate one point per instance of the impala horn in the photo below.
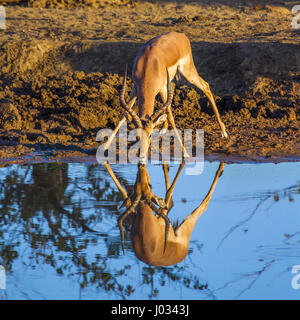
(124, 105)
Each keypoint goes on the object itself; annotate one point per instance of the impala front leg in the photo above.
(170, 190)
(123, 119)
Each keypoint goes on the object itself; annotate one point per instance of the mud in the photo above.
(61, 67)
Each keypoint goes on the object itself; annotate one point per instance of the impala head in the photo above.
(147, 125)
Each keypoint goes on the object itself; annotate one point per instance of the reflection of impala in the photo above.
(156, 64)
(154, 240)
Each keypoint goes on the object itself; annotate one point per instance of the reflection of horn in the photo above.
(154, 240)
(130, 210)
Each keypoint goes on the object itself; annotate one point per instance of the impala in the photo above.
(155, 66)
(154, 240)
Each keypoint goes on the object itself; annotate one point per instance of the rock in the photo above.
(87, 118)
(9, 116)
(278, 9)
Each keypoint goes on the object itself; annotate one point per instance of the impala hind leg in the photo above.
(172, 121)
(190, 72)
(185, 229)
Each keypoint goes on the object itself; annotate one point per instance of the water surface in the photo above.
(59, 237)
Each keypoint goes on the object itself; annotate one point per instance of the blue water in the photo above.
(59, 237)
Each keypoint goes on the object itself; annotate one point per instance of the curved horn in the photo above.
(125, 106)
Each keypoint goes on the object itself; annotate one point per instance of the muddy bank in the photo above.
(61, 73)
(66, 112)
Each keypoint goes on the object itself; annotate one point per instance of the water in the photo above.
(59, 237)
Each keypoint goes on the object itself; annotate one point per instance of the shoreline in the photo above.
(77, 157)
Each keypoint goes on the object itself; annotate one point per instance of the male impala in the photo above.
(156, 64)
(154, 241)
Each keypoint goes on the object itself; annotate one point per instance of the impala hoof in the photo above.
(224, 134)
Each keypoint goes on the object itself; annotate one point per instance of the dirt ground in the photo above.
(62, 65)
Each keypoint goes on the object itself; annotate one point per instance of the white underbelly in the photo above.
(172, 71)
(179, 66)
